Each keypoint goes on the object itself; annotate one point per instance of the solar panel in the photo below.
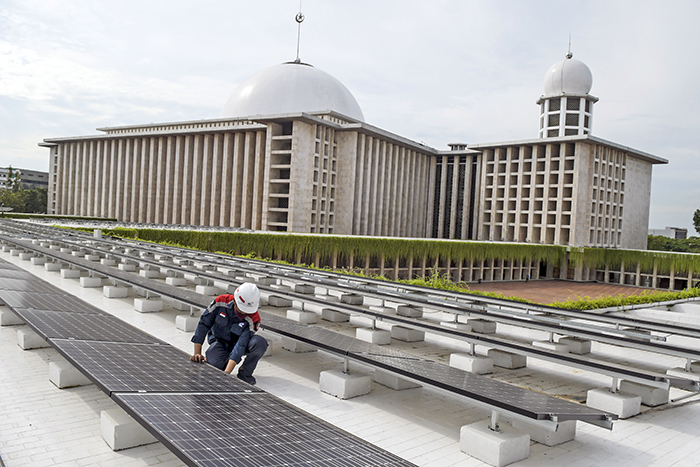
(213, 430)
(84, 326)
(5, 265)
(516, 399)
(26, 285)
(323, 338)
(46, 301)
(129, 367)
(16, 274)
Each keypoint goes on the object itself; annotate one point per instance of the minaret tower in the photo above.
(566, 108)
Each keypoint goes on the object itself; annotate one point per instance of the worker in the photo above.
(230, 323)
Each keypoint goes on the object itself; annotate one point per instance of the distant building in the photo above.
(670, 232)
(30, 179)
(292, 153)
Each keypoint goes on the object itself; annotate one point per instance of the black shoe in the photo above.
(248, 379)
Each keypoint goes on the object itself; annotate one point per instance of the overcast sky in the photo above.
(435, 71)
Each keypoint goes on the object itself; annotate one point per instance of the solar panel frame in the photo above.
(133, 367)
(84, 326)
(225, 429)
(26, 285)
(47, 302)
(16, 274)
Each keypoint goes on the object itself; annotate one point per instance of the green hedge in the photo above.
(270, 245)
(598, 258)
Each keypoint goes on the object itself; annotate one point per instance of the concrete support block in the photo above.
(52, 266)
(176, 281)
(334, 316)
(279, 302)
(304, 288)
(180, 306)
(344, 385)
(149, 273)
(8, 318)
(651, 396)
(207, 290)
(26, 256)
(28, 339)
(296, 346)
(508, 360)
(373, 336)
(621, 404)
(352, 299)
(127, 267)
(392, 381)
(407, 334)
(88, 282)
(108, 262)
(497, 448)
(409, 311)
(92, 257)
(78, 254)
(113, 291)
(472, 363)
(482, 326)
(553, 346)
(266, 280)
(15, 252)
(6, 248)
(37, 261)
(566, 431)
(457, 326)
(303, 317)
(186, 323)
(64, 375)
(120, 431)
(576, 346)
(70, 273)
(148, 305)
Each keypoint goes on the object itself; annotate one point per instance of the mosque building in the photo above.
(292, 152)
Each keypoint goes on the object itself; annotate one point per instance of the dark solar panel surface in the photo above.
(129, 367)
(259, 430)
(16, 274)
(519, 400)
(46, 301)
(26, 285)
(84, 326)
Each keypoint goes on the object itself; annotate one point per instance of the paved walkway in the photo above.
(548, 291)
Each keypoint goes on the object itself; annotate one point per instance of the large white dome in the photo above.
(568, 76)
(291, 87)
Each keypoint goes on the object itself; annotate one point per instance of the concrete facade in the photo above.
(328, 171)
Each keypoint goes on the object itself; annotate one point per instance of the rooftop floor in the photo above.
(42, 425)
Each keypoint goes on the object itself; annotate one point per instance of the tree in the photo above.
(696, 220)
(14, 180)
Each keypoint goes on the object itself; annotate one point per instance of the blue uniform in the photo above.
(231, 335)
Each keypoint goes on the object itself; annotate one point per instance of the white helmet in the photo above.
(247, 297)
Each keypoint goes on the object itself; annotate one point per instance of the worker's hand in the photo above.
(198, 357)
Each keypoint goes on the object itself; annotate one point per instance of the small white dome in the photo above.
(291, 87)
(568, 76)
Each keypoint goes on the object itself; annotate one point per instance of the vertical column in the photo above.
(217, 180)
(140, 180)
(247, 180)
(90, 192)
(105, 177)
(237, 179)
(259, 179)
(116, 185)
(197, 163)
(206, 177)
(226, 175)
(82, 168)
(381, 215)
(394, 167)
(166, 206)
(374, 175)
(157, 182)
(358, 212)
